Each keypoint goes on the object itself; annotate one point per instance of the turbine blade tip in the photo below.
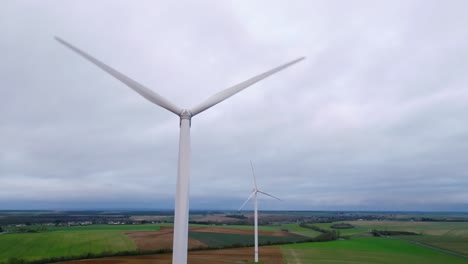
(61, 41)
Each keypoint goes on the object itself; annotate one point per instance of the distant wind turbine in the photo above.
(181, 210)
(254, 195)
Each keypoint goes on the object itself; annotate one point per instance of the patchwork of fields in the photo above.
(359, 248)
(424, 228)
(81, 240)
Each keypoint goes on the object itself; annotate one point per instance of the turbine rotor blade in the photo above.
(223, 95)
(250, 197)
(253, 173)
(142, 90)
(269, 195)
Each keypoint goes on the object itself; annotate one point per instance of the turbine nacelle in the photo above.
(186, 114)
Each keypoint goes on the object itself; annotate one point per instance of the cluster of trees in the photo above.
(237, 216)
(327, 235)
(378, 233)
(217, 223)
(342, 226)
(27, 229)
(43, 217)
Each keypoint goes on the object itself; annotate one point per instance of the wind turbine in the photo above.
(181, 211)
(254, 195)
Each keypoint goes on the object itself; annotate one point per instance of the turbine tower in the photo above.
(181, 211)
(254, 195)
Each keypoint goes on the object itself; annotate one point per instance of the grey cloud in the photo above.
(373, 119)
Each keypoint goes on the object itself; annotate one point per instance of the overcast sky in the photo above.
(374, 119)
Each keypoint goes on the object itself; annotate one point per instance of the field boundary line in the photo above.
(432, 247)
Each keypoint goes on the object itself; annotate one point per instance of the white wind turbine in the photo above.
(181, 210)
(254, 195)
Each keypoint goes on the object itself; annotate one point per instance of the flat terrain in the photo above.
(424, 228)
(362, 250)
(156, 240)
(457, 244)
(80, 240)
(361, 247)
(146, 227)
(207, 236)
(296, 229)
(365, 250)
(451, 236)
(33, 246)
(270, 255)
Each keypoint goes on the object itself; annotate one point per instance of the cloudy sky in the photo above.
(374, 119)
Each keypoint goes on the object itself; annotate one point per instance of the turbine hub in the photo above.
(186, 114)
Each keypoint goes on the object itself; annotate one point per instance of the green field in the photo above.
(69, 241)
(344, 232)
(425, 228)
(458, 244)
(31, 246)
(452, 236)
(296, 229)
(365, 250)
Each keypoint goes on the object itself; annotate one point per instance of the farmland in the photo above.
(269, 255)
(365, 250)
(296, 229)
(225, 240)
(32, 246)
(45, 240)
(451, 236)
(78, 241)
(424, 228)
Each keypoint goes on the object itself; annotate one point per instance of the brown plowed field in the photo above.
(162, 239)
(269, 255)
